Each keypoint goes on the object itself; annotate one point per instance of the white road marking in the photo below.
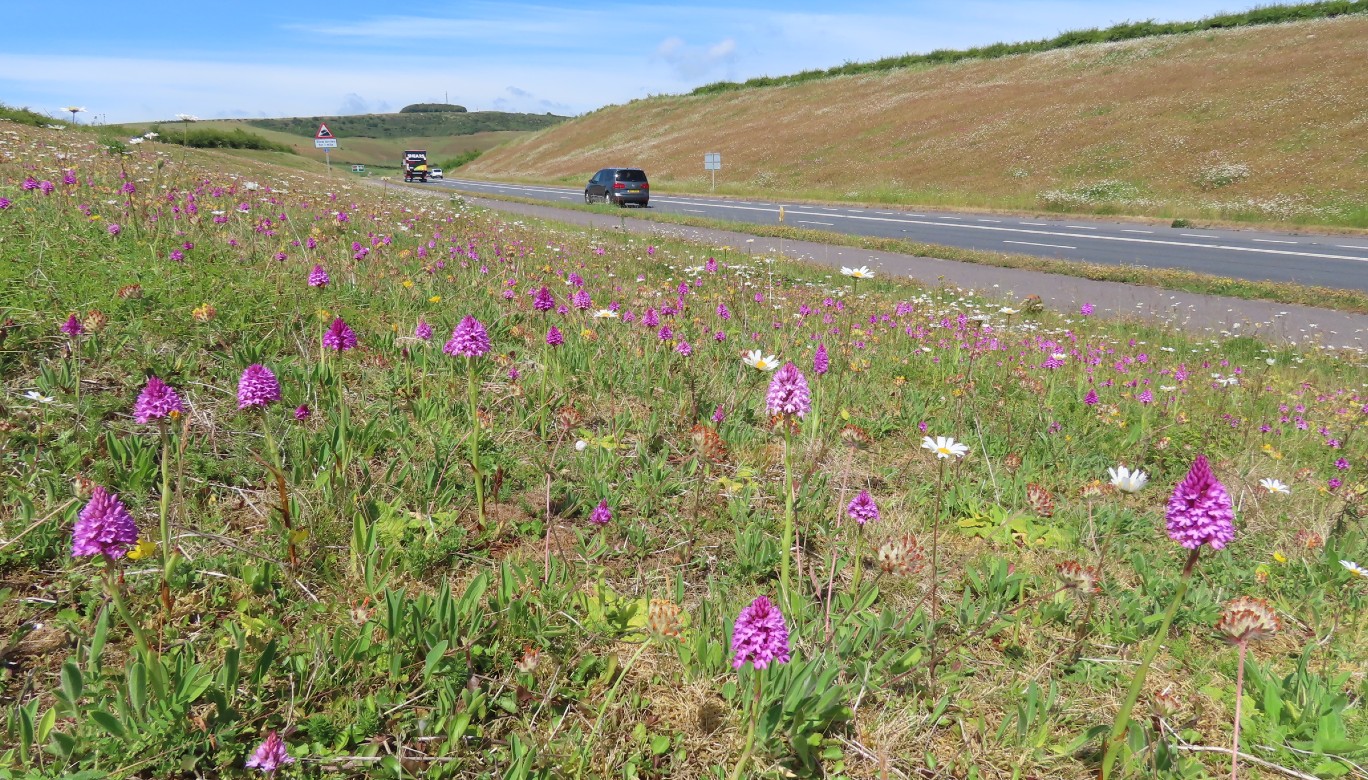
(810, 222)
(1103, 237)
(1129, 230)
(1080, 227)
(989, 220)
(1032, 243)
(1271, 241)
(1198, 235)
(940, 216)
(696, 211)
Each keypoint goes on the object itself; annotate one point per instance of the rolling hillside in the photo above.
(1261, 123)
(380, 150)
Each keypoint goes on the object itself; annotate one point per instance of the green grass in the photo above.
(25, 116)
(1321, 297)
(1125, 31)
(331, 581)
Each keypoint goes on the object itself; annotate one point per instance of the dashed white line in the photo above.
(990, 220)
(1032, 243)
(1130, 230)
(1198, 235)
(810, 222)
(942, 216)
(1136, 240)
(1271, 241)
(1080, 227)
(696, 211)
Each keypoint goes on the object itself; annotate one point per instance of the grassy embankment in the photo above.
(331, 576)
(1196, 126)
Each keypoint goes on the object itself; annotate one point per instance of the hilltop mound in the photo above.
(411, 124)
(1253, 123)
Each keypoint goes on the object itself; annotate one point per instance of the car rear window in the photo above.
(631, 176)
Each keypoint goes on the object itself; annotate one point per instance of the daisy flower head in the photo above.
(757, 359)
(605, 313)
(862, 272)
(1127, 481)
(1355, 569)
(945, 447)
(1274, 486)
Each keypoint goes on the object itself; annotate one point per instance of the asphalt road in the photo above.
(1304, 258)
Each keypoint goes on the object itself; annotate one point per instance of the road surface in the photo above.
(1303, 258)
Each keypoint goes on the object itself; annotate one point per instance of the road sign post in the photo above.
(712, 161)
(325, 140)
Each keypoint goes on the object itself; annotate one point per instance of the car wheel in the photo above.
(607, 198)
(587, 199)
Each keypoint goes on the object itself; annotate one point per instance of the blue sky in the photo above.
(250, 58)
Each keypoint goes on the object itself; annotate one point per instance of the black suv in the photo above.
(620, 186)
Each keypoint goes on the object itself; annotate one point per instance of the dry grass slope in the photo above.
(1265, 123)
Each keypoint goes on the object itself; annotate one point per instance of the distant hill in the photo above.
(432, 108)
(412, 124)
(1262, 123)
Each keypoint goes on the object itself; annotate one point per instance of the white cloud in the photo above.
(692, 62)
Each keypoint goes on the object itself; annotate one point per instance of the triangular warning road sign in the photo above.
(323, 132)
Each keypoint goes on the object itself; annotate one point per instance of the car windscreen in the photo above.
(631, 176)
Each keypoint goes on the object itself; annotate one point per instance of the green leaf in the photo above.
(109, 723)
(659, 744)
(62, 744)
(72, 684)
(97, 641)
(433, 657)
(137, 686)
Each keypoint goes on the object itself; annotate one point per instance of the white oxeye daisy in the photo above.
(757, 359)
(1127, 481)
(945, 447)
(1274, 486)
(1354, 568)
(862, 272)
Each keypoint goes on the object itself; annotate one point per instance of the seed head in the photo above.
(1247, 619)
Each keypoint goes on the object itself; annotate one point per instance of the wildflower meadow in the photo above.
(305, 477)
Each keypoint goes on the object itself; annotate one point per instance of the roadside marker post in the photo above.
(325, 140)
(712, 161)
